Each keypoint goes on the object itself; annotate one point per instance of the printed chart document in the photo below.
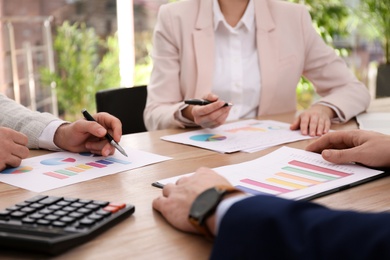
(374, 121)
(246, 136)
(291, 173)
(55, 170)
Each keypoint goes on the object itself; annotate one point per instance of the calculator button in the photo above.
(50, 200)
(36, 198)
(18, 214)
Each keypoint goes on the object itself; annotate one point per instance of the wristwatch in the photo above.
(205, 205)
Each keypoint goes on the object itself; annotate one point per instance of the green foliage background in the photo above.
(80, 70)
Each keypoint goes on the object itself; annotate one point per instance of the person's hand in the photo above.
(13, 148)
(208, 116)
(176, 200)
(83, 135)
(365, 147)
(315, 121)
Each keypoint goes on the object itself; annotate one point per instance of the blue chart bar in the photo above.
(104, 162)
(112, 159)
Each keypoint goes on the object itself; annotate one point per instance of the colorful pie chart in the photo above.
(17, 170)
(208, 137)
(57, 161)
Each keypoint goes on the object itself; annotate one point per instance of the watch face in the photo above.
(205, 204)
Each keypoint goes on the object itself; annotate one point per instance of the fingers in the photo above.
(12, 147)
(313, 122)
(342, 156)
(339, 140)
(110, 123)
(212, 115)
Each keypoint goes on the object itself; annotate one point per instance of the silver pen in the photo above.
(108, 136)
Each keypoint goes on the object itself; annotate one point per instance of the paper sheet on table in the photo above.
(374, 121)
(55, 170)
(291, 173)
(247, 136)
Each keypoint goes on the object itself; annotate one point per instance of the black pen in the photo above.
(108, 136)
(202, 102)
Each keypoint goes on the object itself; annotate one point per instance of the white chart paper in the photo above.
(55, 170)
(247, 136)
(291, 173)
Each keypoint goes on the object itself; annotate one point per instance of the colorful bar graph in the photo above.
(75, 169)
(319, 168)
(105, 162)
(112, 159)
(264, 185)
(294, 176)
(250, 191)
(286, 183)
(65, 172)
(310, 173)
(55, 175)
(79, 168)
(298, 178)
(97, 165)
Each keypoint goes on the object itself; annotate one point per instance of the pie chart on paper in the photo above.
(208, 137)
(57, 161)
(17, 170)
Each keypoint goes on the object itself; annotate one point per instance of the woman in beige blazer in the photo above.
(287, 47)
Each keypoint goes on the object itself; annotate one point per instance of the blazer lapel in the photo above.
(203, 38)
(267, 46)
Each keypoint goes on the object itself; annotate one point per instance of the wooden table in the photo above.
(146, 235)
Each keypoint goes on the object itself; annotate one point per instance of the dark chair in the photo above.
(127, 104)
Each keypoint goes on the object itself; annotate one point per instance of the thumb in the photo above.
(96, 129)
(339, 156)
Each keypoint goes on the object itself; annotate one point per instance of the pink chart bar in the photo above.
(264, 185)
(97, 165)
(319, 168)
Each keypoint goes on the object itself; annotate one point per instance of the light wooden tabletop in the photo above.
(146, 235)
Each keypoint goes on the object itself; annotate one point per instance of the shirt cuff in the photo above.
(223, 208)
(340, 118)
(46, 139)
(185, 121)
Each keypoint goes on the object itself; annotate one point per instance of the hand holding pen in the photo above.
(107, 136)
(202, 102)
(209, 112)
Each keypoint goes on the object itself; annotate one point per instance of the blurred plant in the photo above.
(80, 72)
(330, 18)
(374, 22)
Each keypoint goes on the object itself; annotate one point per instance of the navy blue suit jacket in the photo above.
(266, 227)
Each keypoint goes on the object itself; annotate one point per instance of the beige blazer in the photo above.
(21, 119)
(288, 47)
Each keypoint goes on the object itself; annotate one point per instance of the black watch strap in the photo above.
(205, 205)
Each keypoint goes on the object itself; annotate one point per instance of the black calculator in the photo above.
(50, 224)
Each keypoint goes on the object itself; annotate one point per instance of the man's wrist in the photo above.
(60, 138)
(202, 212)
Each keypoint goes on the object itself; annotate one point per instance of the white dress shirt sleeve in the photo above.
(46, 139)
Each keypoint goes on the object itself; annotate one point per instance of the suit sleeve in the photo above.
(21, 119)
(264, 227)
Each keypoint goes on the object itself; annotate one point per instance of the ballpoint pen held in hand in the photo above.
(202, 102)
(108, 136)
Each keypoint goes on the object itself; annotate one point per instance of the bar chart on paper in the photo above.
(56, 170)
(291, 173)
(296, 175)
